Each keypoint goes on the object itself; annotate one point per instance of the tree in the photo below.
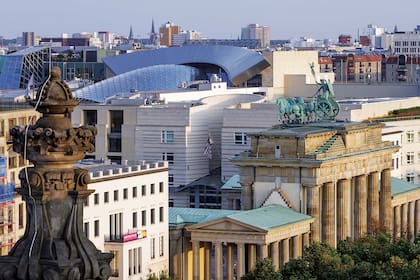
(372, 257)
(264, 270)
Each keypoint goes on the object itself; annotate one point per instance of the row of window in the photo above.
(406, 43)
(116, 222)
(240, 138)
(144, 217)
(116, 196)
(410, 136)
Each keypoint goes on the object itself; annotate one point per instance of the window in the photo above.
(143, 190)
(167, 136)
(152, 248)
(161, 183)
(171, 180)
(161, 240)
(134, 219)
(86, 202)
(115, 226)
(240, 138)
(410, 177)
(106, 197)
(410, 157)
(86, 229)
(96, 225)
(116, 120)
(161, 214)
(152, 216)
(125, 193)
(96, 198)
(116, 195)
(152, 188)
(134, 192)
(134, 261)
(90, 117)
(410, 136)
(143, 218)
(169, 157)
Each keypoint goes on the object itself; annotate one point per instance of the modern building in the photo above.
(127, 215)
(181, 38)
(175, 130)
(28, 39)
(167, 31)
(17, 68)
(256, 31)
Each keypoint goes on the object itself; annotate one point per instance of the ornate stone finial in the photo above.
(54, 245)
(54, 96)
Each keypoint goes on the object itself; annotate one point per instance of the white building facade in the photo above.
(128, 215)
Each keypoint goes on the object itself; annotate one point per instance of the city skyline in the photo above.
(286, 19)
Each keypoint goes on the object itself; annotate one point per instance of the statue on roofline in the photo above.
(322, 106)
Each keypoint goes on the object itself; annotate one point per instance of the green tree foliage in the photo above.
(264, 270)
(372, 257)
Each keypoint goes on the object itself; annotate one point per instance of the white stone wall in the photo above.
(119, 179)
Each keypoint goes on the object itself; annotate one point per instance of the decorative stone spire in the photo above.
(54, 245)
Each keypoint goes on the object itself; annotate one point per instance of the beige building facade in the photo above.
(328, 170)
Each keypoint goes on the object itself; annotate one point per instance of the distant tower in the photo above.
(256, 31)
(28, 39)
(131, 36)
(166, 31)
(153, 35)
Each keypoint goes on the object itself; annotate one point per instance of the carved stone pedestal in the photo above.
(54, 245)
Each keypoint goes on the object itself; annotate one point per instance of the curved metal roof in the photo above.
(158, 77)
(240, 64)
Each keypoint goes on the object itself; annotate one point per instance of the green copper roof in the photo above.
(265, 218)
(399, 186)
(179, 216)
(232, 183)
(269, 217)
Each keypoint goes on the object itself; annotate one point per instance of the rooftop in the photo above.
(266, 218)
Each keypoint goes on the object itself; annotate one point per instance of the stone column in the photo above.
(229, 261)
(373, 202)
(263, 248)
(404, 215)
(397, 222)
(207, 261)
(196, 259)
(305, 241)
(252, 256)
(385, 208)
(285, 252)
(296, 246)
(241, 260)
(343, 209)
(218, 261)
(246, 183)
(360, 203)
(417, 217)
(410, 224)
(328, 212)
(313, 210)
(274, 248)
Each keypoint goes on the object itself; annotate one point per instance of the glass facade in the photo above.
(154, 78)
(17, 68)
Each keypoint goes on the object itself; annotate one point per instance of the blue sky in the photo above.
(214, 19)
